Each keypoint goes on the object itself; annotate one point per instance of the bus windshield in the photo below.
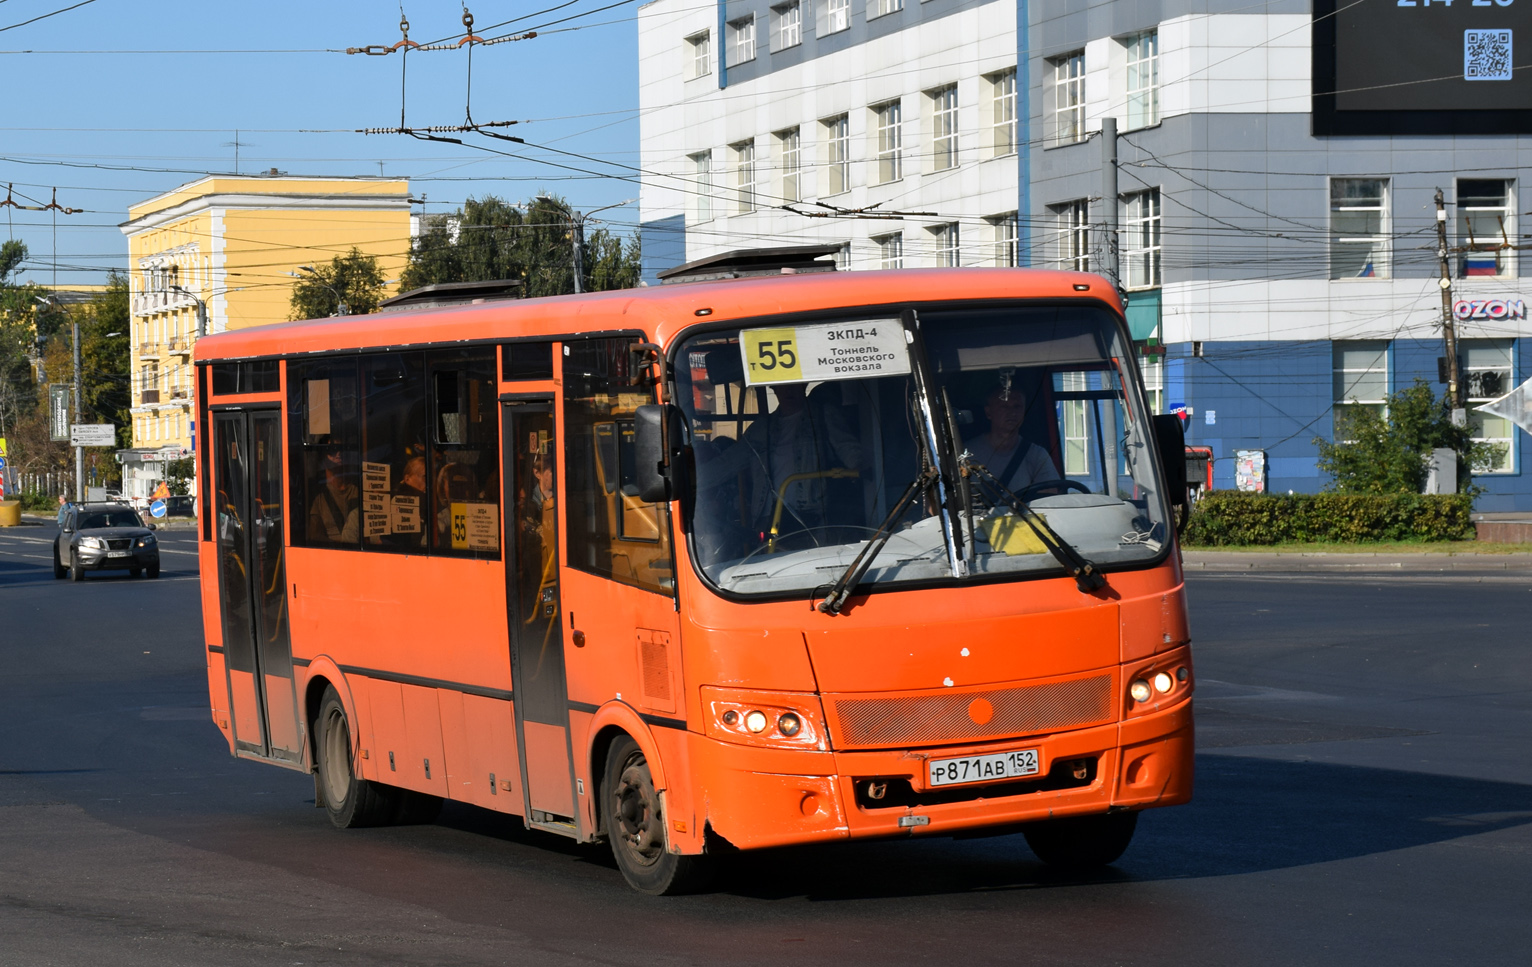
(928, 435)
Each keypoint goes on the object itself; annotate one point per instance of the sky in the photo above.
(116, 101)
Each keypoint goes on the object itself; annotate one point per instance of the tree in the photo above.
(353, 278)
(490, 239)
(178, 474)
(104, 358)
(18, 334)
(1390, 452)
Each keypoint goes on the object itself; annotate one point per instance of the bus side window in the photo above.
(394, 453)
(610, 531)
(464, 465)
(324, 417)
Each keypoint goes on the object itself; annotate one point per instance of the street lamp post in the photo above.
(201, 309)
(577, 234)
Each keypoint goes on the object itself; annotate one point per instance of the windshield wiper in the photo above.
(1087, 577)
(847, 582)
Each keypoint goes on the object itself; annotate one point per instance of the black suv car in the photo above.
(97, 537)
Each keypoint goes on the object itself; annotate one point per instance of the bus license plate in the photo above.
(984, 768)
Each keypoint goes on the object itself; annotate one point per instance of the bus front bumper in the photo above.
(751, 798)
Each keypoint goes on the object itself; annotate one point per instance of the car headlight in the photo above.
(95, 543)
(147, 541)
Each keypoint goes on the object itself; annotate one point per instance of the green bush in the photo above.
(1227, 517)
(32, 500)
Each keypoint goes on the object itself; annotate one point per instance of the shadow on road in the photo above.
(1250, 815)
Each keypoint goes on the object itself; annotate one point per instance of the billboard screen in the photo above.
(1422, 67)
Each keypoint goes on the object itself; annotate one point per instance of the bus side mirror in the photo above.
(656, 435)
(1170, 440)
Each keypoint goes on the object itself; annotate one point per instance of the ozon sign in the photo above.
(1489, 309)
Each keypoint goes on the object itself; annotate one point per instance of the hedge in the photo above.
(1227, 517)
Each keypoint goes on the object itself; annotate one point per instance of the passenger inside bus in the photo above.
(333, 514)
(786, 467)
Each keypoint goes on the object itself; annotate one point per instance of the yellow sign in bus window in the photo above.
(771, 356)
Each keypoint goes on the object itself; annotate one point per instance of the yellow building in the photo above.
(224, 252)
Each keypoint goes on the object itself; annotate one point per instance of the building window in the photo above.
(888, 121)
(1153, 368)
(744, 176)
(1143, 101)
(701, 60)
(789, 148)
(944, 128)
(1485, 369)
(882, 8)
(1066, 101)
(1486, 226)
(1072, 224)
(742, 40)
(948, 245)
(1002, 120)
(838, 154)
(834, 16)
(1361, 380)
(843, 257)
(1141, 239)
(702, 180)
(891, 251)
(1359, 246)
(786, 26)
(1076, 429)
(1007, 242)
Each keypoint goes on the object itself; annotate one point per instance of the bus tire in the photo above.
(1081, 842)
(635, 826)
(350, 801)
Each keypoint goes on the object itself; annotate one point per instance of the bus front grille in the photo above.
(953, 715)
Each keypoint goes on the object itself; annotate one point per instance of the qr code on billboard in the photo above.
(1486, 55)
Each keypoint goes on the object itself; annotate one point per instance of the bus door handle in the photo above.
(578, 637)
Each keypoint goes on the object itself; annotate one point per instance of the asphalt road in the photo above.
(1364, 794)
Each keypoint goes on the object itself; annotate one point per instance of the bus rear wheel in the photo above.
(350, 800)
(1082, 842)
(635, 825)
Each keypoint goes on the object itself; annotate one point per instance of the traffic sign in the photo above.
(92, 435)
(157, 509)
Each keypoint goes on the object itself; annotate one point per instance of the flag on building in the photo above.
(1481, 264)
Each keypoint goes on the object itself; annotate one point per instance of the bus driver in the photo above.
(1016, 463)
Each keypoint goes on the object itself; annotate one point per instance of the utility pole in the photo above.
(79, 414)
(577, 234)
(1449, 330)
(1110, 265)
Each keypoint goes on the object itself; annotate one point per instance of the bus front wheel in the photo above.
(351, 801)
(1081, 842)
(635, 825)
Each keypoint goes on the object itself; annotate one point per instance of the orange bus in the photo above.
(708, 566)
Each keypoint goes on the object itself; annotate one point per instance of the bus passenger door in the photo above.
(252, 583)
(536, 627)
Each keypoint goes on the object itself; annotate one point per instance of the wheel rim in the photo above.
(337, 757)
(636, 811)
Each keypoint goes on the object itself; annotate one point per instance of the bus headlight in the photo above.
(1163, 683)
(769, 719)
(1140, 691)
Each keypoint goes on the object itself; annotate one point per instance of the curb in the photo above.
(1357, 563)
